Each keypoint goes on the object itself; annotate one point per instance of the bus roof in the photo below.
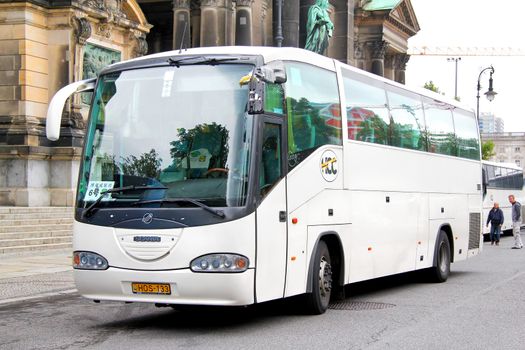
(502, 165)
(270, 53)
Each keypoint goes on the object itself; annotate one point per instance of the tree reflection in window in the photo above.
(146, 165)
(313, 108)
(199, 150)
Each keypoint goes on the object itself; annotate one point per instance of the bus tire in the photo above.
(318, 300)
(441, 269)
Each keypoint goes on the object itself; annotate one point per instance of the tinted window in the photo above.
(274, 98)
(407, 125)
(466, 135)
(270, 167)
(505, 178)
(440, 128)
(314, 111)
(367, 112)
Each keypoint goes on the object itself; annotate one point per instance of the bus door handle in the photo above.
(282, 216)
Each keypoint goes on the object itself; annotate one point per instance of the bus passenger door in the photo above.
(271, 235)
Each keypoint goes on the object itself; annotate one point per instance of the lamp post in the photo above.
(456, 60)
(490, 92)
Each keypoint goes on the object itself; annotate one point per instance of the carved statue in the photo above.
(319, 27)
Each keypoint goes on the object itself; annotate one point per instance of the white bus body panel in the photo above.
(310, 197)
(271, 245)
(402, 232)
(189, 243)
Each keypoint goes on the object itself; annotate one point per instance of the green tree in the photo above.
(487, 150)
(147, 165)
(431, 86)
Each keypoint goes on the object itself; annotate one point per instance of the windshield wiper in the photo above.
(200, 60)
(89, 210)
(219, 213)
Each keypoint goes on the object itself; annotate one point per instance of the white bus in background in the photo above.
(238, 175)
(499, 181)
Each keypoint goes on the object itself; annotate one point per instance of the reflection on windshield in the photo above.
(183, 128)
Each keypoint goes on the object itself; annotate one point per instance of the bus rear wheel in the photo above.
(441, 269)
(318, 300)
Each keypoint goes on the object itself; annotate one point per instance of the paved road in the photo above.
(482, 306)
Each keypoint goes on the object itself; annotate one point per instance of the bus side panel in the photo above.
(310, 196)
(271, 245)
(452, 210)
(423, 256)
(384, 233)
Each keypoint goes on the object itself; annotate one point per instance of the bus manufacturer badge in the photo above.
(329, 165)
(147, 218)
(146, 239)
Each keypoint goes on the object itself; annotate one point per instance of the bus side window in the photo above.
(466, 135)
(366, 109)
(270, 167)
(440, 128)
(313, 110)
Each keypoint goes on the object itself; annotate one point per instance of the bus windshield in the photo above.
(182, 130)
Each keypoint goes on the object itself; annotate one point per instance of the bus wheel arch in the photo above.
(448, 231)
(443, 255)
(328, 243)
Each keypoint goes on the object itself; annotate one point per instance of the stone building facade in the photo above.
(509, 147)
(43, 46)
(46, 44)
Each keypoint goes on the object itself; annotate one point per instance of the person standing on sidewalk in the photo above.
(516, 222)
(495, 219)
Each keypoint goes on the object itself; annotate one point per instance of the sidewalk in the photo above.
(35, 263)
(35, 274)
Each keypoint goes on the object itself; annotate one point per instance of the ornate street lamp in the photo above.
(490, 92)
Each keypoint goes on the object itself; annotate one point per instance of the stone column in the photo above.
(195, 23)
(401, 63)
(342, 42)
(377, 50)
(243, 23)
(359, 54)
(290, 23)
(181, 24)
(390, 67)
(209, 23)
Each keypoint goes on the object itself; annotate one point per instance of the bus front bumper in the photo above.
(186, 287)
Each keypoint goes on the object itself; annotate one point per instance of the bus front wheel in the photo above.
(317, 301)
(441, 269)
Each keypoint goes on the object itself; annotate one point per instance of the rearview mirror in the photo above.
(56, 106)
(273, 72)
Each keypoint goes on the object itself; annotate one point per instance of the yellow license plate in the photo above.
(150, 288)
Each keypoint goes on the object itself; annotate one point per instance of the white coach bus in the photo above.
(499, 181)
(238, 175)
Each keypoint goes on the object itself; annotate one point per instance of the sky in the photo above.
(473, 23)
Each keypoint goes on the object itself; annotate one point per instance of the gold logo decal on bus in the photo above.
(329, 165)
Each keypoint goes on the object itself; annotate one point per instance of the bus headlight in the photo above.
(89, 261)
(220, 263)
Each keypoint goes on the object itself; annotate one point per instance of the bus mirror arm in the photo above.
(56, 106)
(256, 96)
